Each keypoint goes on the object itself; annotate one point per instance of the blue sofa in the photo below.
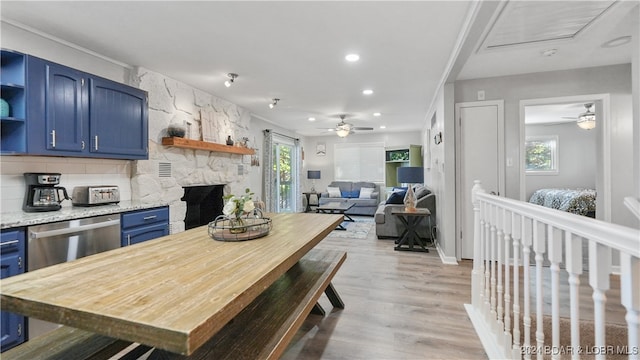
(350, 192)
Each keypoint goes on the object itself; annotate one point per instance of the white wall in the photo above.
(576, 158)
(17, 39)
(325, 163)
(614, 80)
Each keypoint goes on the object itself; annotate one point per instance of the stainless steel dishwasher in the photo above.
(63, 241)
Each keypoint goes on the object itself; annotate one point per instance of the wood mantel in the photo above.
(204, 145)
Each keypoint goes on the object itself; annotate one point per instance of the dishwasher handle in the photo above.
(71, 230)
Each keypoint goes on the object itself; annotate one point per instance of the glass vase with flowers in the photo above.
(235, 207)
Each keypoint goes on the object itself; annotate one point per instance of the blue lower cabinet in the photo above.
(142, 225)
(12, 262)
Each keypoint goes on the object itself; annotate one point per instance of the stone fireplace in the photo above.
(169, 170)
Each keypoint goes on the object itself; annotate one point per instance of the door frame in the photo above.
(603, 143)
(501, 165)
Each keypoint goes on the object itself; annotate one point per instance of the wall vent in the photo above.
(164, 169)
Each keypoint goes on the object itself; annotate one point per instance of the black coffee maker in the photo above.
(42, 192)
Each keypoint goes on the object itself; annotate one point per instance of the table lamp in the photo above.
(410, 175)
(313, 175)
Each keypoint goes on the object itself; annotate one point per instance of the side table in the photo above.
(409, 237)
(308, 196)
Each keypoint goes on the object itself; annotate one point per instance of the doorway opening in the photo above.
(582, 155)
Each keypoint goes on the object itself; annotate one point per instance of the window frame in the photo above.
(554, 149)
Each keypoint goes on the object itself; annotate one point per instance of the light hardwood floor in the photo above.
(398, 305)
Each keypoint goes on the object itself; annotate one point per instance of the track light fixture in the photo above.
(231, 77)
(273, 103)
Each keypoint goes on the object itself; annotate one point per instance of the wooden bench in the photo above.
(262, 330)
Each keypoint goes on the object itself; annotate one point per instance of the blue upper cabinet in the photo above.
(63, 109)
(118, 119)
(73, 113)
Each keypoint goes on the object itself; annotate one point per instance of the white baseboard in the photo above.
(490, 344)
(447, 260)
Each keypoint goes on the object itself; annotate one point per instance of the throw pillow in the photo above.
(350, 194)
(365, 193)
(334, 192)
(396, 197)
(395, 189)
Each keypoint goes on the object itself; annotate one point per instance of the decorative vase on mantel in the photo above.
(229, 141)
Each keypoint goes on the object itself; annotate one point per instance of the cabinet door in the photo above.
(144, 233)
(118, 119)
(11, 263)
(64, 108)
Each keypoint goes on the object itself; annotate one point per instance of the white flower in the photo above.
(229, 208)
(248, 206)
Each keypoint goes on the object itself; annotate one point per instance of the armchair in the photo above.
(389, 226)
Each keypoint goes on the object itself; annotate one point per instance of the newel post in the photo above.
(477, 286)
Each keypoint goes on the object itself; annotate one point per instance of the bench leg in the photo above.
(333, 296)
(318, 310)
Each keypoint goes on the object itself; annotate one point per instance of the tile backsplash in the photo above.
(75, 172)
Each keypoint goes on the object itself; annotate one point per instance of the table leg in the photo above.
(333, 296)
(410, 235)
(318, 310)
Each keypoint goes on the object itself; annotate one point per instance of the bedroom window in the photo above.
(541, 155)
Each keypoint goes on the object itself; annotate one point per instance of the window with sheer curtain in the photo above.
(359, 162)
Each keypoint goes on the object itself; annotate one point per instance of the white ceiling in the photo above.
(553, 114)
(295, 51)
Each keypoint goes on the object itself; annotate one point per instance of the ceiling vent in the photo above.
(534, 22)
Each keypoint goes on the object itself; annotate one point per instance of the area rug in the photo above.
(355, 230)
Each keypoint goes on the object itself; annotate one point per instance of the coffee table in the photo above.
(336, 207)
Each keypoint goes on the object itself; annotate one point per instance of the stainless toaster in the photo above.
(95, 195)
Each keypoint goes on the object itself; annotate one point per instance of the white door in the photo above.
(481, 154)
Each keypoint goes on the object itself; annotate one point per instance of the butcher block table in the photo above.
(172, 293)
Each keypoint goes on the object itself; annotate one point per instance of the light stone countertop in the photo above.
(21, 218)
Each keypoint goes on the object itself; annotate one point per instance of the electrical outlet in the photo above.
(481, 95)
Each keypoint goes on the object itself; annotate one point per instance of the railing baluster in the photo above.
(526, 253)
(500, 265)
(539, 239)
(517, 236)
(555, 256)
(573, 262)
(599, 270)
(507, 288)
(494, 314)
(487, 267)
(477, 290)
(630, 298)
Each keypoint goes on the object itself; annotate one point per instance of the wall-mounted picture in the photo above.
(321, 149)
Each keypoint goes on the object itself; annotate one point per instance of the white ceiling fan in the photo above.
(343, 129)
(586, 120)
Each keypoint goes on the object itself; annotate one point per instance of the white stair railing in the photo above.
(508, 290)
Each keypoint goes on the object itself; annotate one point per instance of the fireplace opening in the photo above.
(204, 204)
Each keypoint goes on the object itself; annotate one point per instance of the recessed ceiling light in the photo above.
(352, 57)
(382, 127)
(312, 119)
(617, 41)
(367, 92)
(549, 52)
(376, 114)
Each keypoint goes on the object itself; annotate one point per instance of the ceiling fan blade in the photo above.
(361, 128)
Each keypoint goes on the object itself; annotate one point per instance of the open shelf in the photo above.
(203, 145)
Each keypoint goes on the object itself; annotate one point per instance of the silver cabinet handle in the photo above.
(128, 239)
(9, 243)
(82, 142)
(96, 142)
(71, 230)
(150, 217)
(53, 138)
(19, 262)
